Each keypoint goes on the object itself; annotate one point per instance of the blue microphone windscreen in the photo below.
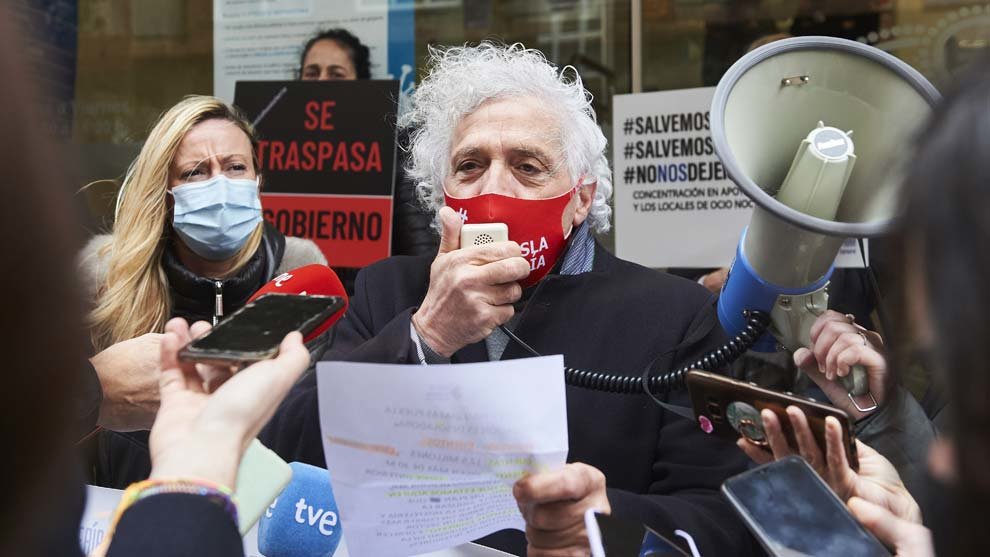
(303, 521)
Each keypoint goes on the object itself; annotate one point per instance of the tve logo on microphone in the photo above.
(304, 519)
(306, 514)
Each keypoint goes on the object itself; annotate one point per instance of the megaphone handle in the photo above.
(792, 318)
(857, 384)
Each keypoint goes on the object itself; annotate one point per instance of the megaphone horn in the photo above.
(783, 121)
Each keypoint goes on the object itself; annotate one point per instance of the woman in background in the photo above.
(188, 241)
(336, 54)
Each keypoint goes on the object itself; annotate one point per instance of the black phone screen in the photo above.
(793, 512)
(261, 325)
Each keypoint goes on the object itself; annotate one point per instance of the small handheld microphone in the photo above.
(304, 519)
(313, 280)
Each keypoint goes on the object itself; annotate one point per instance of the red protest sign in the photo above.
(327, 154)
(352, 231)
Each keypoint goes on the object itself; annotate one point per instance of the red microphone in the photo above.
(313, 280)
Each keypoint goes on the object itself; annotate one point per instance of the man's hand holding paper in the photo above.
(424, 458)
(554, 503)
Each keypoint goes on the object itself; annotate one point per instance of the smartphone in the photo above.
(484, 233)
(730, 409)
(793, 512)
(255, 331)
(609, 536)
(261, 478)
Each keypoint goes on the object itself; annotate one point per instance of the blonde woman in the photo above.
(188, 241)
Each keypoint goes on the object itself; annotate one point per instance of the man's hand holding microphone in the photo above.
(471, 290)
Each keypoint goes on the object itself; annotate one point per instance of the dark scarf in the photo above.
(194, 298)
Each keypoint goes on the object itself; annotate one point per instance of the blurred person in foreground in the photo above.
(188, 241)
(198, 438)
(943, 230)
(501, 126)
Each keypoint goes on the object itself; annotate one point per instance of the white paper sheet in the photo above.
(423, 458)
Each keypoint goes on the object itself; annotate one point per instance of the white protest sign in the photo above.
(675, 206)
(257, 40)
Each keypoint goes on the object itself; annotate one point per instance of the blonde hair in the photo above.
(134, 298)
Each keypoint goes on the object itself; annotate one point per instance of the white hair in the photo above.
(463, 78)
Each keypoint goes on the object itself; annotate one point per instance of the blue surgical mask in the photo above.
(214, 218)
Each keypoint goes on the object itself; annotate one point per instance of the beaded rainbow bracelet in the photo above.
(218, 494)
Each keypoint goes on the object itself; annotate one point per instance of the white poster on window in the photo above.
(675, 206)
(257, 40)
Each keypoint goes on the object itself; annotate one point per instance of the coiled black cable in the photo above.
(756, 324)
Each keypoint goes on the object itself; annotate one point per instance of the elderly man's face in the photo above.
(512, 147)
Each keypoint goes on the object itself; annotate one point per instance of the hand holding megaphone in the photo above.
(839, 350)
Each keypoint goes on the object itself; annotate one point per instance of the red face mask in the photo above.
(534, 224)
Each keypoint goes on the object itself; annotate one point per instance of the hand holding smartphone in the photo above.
(254, 332)
(730, 409)
(793, 512)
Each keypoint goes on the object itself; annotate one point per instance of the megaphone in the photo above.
(811, 129)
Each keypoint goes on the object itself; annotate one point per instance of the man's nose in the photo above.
(498, 179)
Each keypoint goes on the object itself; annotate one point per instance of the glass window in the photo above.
(120, 63)
(691, 43)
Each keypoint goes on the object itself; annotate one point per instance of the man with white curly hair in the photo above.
(498, 134)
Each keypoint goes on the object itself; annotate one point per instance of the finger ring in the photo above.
(863, 335)
(851, 318)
